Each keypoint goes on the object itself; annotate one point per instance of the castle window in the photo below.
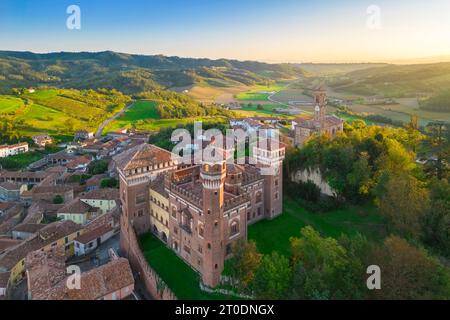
(201, 230)
(209, 246)
(248, 216)
(234, 229)
(276, 196)
(216, 266)
(174, 212)
(276, 182)
(259, 197)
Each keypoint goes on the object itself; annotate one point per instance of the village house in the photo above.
(46, 279)
(91, 240)
(78, 212)
(10, 191)
(49, 193)
(13, 150)
(83, 135)
(26, 230)
(103, 199)
(58, 234)
(42, 140)
(79, 164)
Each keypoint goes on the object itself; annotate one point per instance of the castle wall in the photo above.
(129, 247)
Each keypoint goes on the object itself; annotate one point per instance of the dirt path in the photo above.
(99, 132)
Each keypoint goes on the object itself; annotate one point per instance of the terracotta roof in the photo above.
(10, 186)
(8, 243)
(329, 121)
(52, 189)
(94, 234)
(158, 186)
(83, 160)
(77, 206)
(95, 284)
(141, 156)
(29, 227)
(44, 237)
(45, 270)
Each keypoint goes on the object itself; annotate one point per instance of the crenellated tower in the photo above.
(213, 176)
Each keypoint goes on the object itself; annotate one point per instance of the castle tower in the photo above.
(320, 98)
(270, 161)
(213, 176)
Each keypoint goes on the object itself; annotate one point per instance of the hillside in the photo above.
(397, 80)
(131, 73)
(56, 111)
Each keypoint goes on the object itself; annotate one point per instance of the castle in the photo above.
(199, 210)
(320, 123)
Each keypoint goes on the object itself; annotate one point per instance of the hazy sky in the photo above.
(267, 30)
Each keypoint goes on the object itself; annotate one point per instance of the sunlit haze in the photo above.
(265, 30)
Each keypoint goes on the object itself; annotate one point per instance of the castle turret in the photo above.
(213, 176)
(269, 159)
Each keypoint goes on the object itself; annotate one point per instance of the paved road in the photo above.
(99, 132)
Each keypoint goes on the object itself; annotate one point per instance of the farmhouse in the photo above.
(13, 150)
(42, 140)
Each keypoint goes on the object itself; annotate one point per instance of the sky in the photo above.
(263, 30)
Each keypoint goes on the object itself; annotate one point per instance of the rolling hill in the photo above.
(131, 73)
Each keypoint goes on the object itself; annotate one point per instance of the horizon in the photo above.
(292, 32)
(422, 60)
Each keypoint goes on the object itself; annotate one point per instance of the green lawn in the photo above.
(181, 278)
(20, 161)
(274, 235)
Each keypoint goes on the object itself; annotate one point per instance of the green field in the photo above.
(274, 235)
(181, 278)
(48, 110)
(144, 116)
(10, 104)
(259, 93)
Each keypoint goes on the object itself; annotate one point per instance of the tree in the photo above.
(260, 107)
(436, 222)
(69, 124)
(404, 203)
(58, 199)
(244, 263)
(98, 167)
(109, 183)
(273, 277)
(409, 273)
(324, 270)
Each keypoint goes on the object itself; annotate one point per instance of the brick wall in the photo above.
(129, 246)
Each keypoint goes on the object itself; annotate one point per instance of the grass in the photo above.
(259, 93)
(20, 161)
(10, 104)
(274, 235)
(179, 277)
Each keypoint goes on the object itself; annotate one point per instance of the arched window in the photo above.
(234, 228)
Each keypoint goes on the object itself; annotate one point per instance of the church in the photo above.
(321, 123)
